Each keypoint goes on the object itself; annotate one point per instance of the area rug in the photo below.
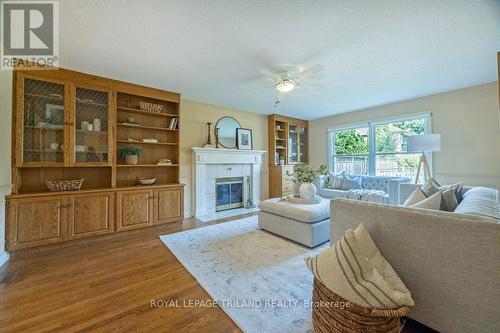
(259, 279)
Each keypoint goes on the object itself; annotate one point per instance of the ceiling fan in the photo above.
(287, 78)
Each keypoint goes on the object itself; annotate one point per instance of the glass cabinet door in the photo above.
(91, 126)
(293, 144)
(302, 144)
(43, 122)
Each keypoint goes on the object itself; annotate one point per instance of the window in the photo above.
(378, 147)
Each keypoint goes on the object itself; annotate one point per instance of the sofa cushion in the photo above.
(351, 183)
(331, 193)
(480, 201)
(304, 213)
(354, 269)
(375, 183)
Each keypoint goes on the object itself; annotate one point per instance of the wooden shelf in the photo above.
(280, 139)
(54, 98)
(159, 114)
(144, 165)
(279, 130)
(44, 128)
(146, 127)
(43, 151)
(92, 104)
(91, 132)
(148, 143)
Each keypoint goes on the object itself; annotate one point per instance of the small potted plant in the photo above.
(130, 154)
(305, 175)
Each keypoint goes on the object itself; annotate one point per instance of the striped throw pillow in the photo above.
(354, 269)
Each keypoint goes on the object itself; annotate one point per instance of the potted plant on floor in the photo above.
(130, 154)
(304, 175)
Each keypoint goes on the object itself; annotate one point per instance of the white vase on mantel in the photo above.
(307, 191)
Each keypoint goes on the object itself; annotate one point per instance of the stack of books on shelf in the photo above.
(173, 123)
(164, 161)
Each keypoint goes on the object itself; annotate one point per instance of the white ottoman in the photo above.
(305, 224)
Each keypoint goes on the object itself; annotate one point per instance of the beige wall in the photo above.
(194, 117)
(467, 119)
(5, 138)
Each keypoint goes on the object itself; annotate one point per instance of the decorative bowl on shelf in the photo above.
(64, 185)
(145, 181)
(151, 107)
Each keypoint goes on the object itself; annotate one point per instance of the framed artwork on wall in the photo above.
(244, 138)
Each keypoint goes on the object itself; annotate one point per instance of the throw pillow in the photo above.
(458, 187)
(432, 202)
(353, 183)
(430, 187)
(450, 201)
(417, 196)
(336, 180)
(354, 269)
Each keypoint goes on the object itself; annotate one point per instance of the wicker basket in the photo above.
(352, 319)
(151, 107)
(64, 185)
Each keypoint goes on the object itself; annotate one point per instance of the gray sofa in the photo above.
(388, 184)
(449, 261)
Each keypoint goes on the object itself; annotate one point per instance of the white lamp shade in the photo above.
(426, 143)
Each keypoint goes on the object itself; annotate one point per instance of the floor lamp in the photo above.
(426, 143)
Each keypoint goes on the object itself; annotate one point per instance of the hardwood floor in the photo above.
(106, 284)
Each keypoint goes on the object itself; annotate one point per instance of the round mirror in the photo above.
(226, 127)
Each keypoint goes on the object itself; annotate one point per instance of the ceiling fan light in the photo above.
(285, 86)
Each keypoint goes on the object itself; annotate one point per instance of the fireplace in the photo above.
(230, 193)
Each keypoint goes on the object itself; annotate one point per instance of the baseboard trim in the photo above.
(4, 258)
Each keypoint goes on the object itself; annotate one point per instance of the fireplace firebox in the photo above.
(230, 193)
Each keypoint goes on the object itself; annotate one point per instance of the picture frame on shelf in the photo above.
(54, 114)
(244, 138)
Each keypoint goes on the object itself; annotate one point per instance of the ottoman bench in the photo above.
(305, 224)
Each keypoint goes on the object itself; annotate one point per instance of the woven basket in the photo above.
(151, 107)
(352, 319)
(64, 185)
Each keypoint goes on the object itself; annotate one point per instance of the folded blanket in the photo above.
(377, 196)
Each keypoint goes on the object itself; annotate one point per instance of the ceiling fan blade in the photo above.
(270, 74)
(308, 72)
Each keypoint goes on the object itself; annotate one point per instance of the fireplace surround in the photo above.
(210, 164)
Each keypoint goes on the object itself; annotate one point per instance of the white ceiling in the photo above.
(374, 52)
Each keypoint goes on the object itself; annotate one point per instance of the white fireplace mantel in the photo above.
(212, 163)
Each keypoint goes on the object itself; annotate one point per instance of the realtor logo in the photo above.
(30, 34)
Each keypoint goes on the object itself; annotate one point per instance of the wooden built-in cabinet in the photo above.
(134, 209)
(141, 208)
(36, 222)
(91, 214)
(68, 125)
(288, 146)
(168, 204)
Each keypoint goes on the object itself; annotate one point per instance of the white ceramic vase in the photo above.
(307, 191)
(131, 159)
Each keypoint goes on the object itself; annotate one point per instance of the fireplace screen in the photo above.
(229, 193)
